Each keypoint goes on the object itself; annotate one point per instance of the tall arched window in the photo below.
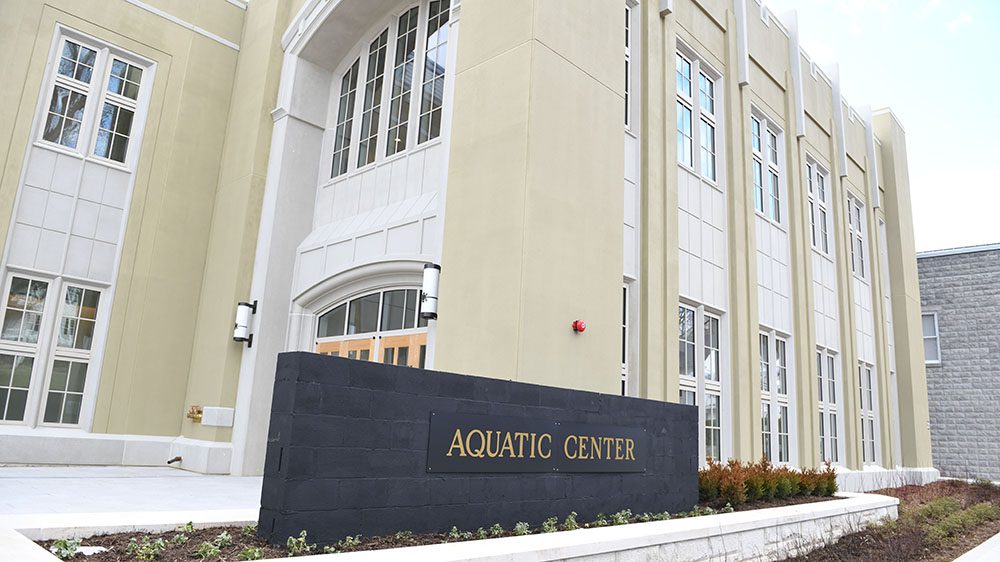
(383, 326)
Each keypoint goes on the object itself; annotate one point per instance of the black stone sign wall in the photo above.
(347, 453)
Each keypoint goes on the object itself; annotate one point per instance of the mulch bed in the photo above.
(908, 539)
(117, 544)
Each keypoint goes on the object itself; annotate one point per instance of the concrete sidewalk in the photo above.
(989, 551)
(49, 502)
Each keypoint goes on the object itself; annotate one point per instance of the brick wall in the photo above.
(347, 453)
(964, 390)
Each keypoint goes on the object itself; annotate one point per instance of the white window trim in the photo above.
(86, 143)
(777, 399)
(827, 407)
(858, 233)
(768, 125)
(360, 51)
(698, 67)
(936, 337)
(816, 173)
(701, 387)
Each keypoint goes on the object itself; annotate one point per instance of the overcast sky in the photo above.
(936, 63)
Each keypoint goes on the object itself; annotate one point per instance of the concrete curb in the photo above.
(15, 546)
(989, 551)
(46, 526)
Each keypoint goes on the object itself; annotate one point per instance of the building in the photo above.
(960, 296)
(310, 156)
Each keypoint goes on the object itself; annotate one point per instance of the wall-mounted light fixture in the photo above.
(241, 331)
(429, 298)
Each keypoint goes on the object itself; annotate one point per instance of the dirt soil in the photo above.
(905, 542)
(117, 544)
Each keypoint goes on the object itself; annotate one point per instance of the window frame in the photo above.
(361, 53)
(97, 95)
(703, 389)
(820, 209)
(857, 234)
(770, 205)
(778, 445)
(936, 337)
(830, 410)
(692, 102)
(868, 413)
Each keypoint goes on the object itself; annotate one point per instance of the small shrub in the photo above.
(601, 521)
(933, 511)
(728, 508)
(64, 549)
(454, 535)
(251, 553)
(146, 549)
(329, 549)
(223, 540)
(550, 525)
(644, 517)
(623, 517)
(570, 523)
(179, 539)
(186, 528)
(830, 475)
(664, 516)
(481, 533)
(496, 530)
(522, 528)
(403, 535)
(349, 542)
(466, 535)
(249, 530)
(207, 550)
(299, 546)
(957, 523)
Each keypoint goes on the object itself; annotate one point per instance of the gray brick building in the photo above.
(960, 296)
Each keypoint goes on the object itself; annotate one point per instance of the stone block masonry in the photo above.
(347, 453)
(963, 391)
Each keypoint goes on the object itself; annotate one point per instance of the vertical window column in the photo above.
(829, 406)
(345, 120)
(766, 168)
(373, 99)
(435, 65)
(774, 397)
(700, 342)
(402, 81)
(696, 107)
(867, 404)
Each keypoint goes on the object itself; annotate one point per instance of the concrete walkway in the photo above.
(989, 551)
(46, 502)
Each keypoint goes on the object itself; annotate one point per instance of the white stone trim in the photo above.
(42, 445)
(21, 548)
(184, 24)
(747, 535)
(956, 251)
(876, 478)
(47, 526)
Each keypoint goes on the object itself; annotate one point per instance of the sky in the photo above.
(936, 64)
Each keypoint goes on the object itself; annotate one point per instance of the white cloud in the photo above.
(963, 18)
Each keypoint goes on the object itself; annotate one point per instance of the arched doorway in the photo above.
(382, 326)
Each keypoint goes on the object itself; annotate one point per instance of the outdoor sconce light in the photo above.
(579, 326)
(429, 291)
(241, 331)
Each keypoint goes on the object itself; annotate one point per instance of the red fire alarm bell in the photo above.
(579, 326)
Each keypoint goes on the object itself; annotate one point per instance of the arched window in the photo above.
(383, 326)
(406, 59)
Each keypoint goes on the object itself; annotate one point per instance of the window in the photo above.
(867, 405)
(402, 81)
(373, 99)
(856, 232)
(624, 340)
(699, 333)
(696, 107)
(382, 326)
(435, 62)
(774, 396)
(413, 50)
(829, 408)
(110, 123)
(345, 120)
(628, 65)
(32, 334)
(932, 341)
(766, 168)
(819, 206)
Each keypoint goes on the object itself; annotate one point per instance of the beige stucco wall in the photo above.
(159, 286)
(533, 215)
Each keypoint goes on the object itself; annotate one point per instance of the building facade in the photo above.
(960, 296)
(310, 156)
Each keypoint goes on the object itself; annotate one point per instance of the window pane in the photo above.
(363, 315)
(931, 350)
(410, 314)
(77, 377)
(12, 325)
(84, 334)
(67, 332)
(373, 99)
(15, 405)
(53, 407)
(393, 310)
(22, 371)
(90, 301)
(71, 411)
(71, 304)
(60, 375)
(928, 324)
(331, 324)
(6, 370)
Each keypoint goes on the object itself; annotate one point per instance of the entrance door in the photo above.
(408, 350)
(363, 349)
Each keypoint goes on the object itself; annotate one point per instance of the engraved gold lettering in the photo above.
(595, 447)
(629, 454)
(520, 436)
(532, 454)
(618, 448)
(508, 445)
(582, 447)
(482, 444)
(566, 448)
(456, 443)
(491, 451)
(541, 438)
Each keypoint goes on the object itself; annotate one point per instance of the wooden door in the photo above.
(363, 349)
(408, 350)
